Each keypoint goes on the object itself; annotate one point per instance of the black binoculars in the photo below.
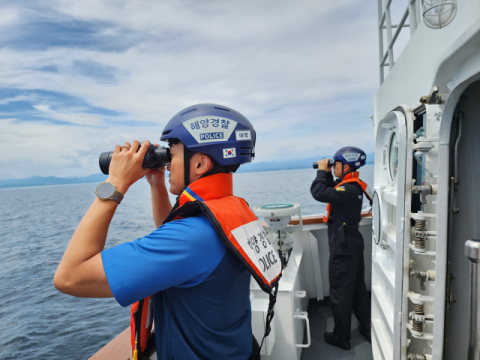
(331, 162)
(155, 157)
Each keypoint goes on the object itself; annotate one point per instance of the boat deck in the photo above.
(321, 320)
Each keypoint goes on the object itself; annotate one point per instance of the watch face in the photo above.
(105, 190)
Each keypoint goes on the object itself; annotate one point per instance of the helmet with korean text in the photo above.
(351, 155)
(216, 130)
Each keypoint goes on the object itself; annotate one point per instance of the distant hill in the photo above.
(252, 167)
(50, 180)
(288, 164)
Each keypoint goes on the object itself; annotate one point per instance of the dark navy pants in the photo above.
(348, 292)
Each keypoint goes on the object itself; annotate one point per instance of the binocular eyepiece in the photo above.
(331, 162)
(155, 157)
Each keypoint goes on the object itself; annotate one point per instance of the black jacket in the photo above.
(347, 207)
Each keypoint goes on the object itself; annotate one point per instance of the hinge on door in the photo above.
(450, 296)
(434, 97)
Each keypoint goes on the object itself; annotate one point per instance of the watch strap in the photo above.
(117, 196)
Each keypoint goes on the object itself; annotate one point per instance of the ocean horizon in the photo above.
(36, 225)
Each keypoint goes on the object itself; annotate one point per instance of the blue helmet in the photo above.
(216, 130)
(351, 155)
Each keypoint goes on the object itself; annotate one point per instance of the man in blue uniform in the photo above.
(200, 288)
(346, 266)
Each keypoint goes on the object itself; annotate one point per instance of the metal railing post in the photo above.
(412, 10)
(472, 252)
(388, 21)
(385, 23)
(380, 39)
(418, 12)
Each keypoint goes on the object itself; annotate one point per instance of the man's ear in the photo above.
(202, 163)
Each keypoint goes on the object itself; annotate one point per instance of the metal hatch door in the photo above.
(388, 233)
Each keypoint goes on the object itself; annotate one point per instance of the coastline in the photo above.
(100, 177)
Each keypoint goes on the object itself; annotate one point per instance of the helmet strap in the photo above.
(348, 172)
(351, 170)
(187, 154)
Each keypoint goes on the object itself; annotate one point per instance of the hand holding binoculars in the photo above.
(331, 162)
(156, 156)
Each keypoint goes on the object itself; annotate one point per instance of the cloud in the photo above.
(13, 99)
(92, 70)
(49, 148)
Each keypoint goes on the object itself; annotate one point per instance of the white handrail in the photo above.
(303, 315)
(385, 23)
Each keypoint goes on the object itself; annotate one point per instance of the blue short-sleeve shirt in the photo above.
(201, 289)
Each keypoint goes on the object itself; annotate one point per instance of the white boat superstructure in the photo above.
(426, 118)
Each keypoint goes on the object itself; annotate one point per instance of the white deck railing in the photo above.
(385, 24)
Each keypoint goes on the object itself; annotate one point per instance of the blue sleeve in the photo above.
(181, 253)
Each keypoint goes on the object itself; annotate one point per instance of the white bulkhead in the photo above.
(427, 201)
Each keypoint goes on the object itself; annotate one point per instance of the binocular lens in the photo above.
(104, 161)
(331, 162)
(155, 157)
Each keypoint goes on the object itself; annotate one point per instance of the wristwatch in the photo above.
(108, 191)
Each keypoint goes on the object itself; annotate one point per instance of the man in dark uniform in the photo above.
(346, 266)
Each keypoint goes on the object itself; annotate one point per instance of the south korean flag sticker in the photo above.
(229, 153)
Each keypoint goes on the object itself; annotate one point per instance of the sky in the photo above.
(79, 77)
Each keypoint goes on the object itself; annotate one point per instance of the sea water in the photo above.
(36, 224)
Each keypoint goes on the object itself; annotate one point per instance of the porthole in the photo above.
(393, 156)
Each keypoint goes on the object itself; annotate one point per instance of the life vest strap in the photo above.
(349, 178)
(142, 335)
(241, 232)
(196, 208)
(270, 313)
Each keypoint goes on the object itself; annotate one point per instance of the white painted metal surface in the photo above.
(290, 311)
(314, 242)
(412, 13)
(459, 288)
(447, 60)
(259, 308)
(387, 255)
(432, 57)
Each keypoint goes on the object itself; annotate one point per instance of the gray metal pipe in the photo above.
(472, 252)
(460, 118)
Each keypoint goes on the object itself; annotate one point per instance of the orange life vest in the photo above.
(349, 178)
(237, 227)
(141, 321)
(234, 222)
